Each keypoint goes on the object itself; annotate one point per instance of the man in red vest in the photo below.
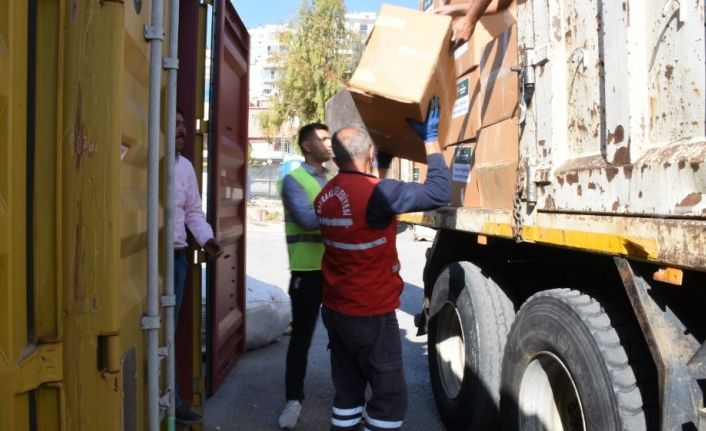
(357, 218)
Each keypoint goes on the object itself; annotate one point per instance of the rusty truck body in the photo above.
(580, 304)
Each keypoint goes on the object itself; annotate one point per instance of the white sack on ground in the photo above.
(267, 313)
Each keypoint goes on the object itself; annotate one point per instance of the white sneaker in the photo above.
(290, 415)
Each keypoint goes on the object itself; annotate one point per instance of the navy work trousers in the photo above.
(366, 350)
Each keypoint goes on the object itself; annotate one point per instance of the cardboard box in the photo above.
(465, 112)
(468, 55)
(496, 185)
(499, 143)
(400, 70)
(464, 182)
(499, 83)
(430, 5)
(419, 172)
(419, 169)
(497, 155)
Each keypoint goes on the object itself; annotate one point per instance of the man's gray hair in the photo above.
(350, 142)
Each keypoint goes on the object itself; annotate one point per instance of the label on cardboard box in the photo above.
(462, 165)
(462, 102)
(462, 49)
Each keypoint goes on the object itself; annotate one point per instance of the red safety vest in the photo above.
(360, 265)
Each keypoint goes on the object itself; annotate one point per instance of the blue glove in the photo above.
(384, 160)
(429, 129)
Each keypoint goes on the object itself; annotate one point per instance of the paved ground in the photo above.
(253, 395)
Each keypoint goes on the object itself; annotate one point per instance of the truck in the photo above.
(88, 93)
(571, 293)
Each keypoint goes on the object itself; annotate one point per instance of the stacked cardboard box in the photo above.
(479, 176)
(408, 59)
(498, 139)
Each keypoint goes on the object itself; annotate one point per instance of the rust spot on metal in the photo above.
(556, 24)
(549, 203)
(572, 178)
(690, 200)
(621, 156)
(583, 163)
(627, 171)
(669, 72)
(617, 136)
(611, 172)
(579, 191)
(592, 186)
(616, 206)
(80, 138)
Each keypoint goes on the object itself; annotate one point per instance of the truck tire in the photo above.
(569, 364)
(469, 318)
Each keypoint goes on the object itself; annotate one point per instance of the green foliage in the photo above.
(320, 58)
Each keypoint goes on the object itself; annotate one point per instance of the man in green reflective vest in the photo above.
(299, 189)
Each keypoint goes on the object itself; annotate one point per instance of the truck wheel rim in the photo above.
(450, 350)
(548, 398)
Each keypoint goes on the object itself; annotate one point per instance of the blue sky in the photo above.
(259, 12)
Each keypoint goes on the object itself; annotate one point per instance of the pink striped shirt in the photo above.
(187, 206)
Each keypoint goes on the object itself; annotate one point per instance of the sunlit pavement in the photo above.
(253, 395)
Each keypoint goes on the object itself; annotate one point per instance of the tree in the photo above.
(319, 59)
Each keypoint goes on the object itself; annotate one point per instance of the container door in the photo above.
(228, 155)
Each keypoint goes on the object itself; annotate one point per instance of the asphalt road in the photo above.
(253, 395)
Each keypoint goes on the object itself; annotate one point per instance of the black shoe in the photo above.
(187, 417)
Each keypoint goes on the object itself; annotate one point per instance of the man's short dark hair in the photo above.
(309, 131)
(179, 111)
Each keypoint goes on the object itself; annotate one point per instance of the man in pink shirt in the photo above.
(187, 213)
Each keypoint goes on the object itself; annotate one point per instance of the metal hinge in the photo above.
(42, 364)
(202, 126)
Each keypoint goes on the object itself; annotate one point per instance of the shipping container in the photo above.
(74, 119)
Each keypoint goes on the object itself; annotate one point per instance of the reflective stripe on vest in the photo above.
(305, 247)
(342, 222)
(356, 246)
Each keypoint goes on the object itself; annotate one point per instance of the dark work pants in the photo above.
(305, 293)
(366, 350)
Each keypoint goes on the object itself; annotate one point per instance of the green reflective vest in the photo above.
(305, 247)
